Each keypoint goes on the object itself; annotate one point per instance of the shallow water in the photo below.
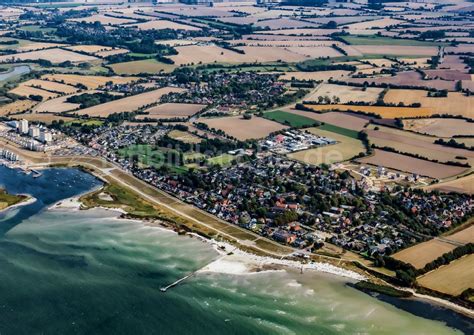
(15, 71)
(86, 272)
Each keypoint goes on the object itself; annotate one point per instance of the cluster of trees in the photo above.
(453, 143)
(309, 66)
(447, 258)
(135, 40)
(91, 99)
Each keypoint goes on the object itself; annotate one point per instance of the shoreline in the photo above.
(28, 201)
(239, 259)
(244, 263)
(429, 299)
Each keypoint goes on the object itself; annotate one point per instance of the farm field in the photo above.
(25, 45)
(26, 91)
(50, 86)
(238, 127)
(346, 148)
(455, 104)
(461, 185)
(91, 82)
(170, 111)
(56, 105)
(54, 55)
(103, 19)
(440, 127)
(196, 54)
(464, 236)
(184, 136)
(107, 53)
(164, 24)
(321, 75)
(340, 119)
(18, 106)
(451, 279)
(367, 25)
(407, 142)
(346, 94)
(395, 50)
(141, 66)
(128, 104)
(421, 254)
(412, 165)
(290, 119)
(384, 112)
(385, 41)
(42, 117)
(91, 49)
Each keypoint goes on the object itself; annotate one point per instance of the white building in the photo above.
(34, 132)
(23, 126)
(46, 137)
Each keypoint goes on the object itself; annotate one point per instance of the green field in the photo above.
(35, 28)
(7, 200)
(151, 156)
(382, 40)
(115, 196)
(293, 120)
(96, 123)
(224, 159)
(339, 130)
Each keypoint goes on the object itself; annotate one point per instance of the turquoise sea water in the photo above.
(87, 272)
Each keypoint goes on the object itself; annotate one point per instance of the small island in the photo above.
(7, 200)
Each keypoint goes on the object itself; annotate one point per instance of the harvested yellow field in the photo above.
(184, 136)
(315, 52)
(460, 185)
(128, 104)
(43, 117)
(56, 105)
(421, 254)
(440, 127)
(171, 111)
(300, 31)
(382, 23)
(212, 53)
(105, 20)
(107, 53)
(320, 75)
(345, 149)
(463, 236)
(91, 49)
(286, 43)
(37, 46)
(241, 129)
(384, 112)
(408, 142)
(164, 24)
(451, 279)
(26, 91)
(455, 103)
(141, 66)
(54, 55)
(50, 86)
(346, 94)
(397, 50)
(92, 82)
(18, 106)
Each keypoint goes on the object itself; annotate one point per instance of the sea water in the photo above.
(66, 271)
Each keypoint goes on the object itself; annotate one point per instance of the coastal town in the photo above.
(331, 134)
